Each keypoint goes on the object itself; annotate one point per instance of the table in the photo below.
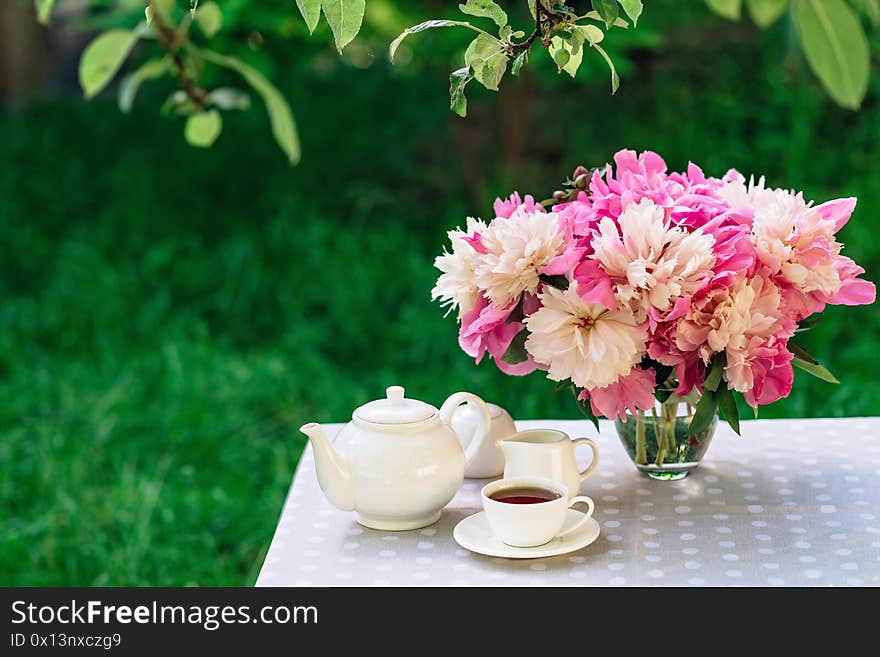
(792, 502)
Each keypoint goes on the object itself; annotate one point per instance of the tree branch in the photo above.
(168, 42)
(527, 43)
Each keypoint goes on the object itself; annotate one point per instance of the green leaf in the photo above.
(280, 116)
(633, 9)
(607, 9)
(706, 409)
(131, 84)
(485, 9)
(727, 404)
(103, 58)
(557, 280)
(766, 12)
(457, 82)
(591, 33)
(202, 129)
(345, 18)
(486, 56)
(731, 9)
(560, 55)
(615, 79)
(567, 55)
(836, 48)
(44, 10)
(806, 362)
(516, 353)
(585, 408)
(227, 98)
(520, 60)
(311, 12)
(209, 18)
(713, 378)
(427, 25)
(871, 8)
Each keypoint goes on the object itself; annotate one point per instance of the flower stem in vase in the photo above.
(641, 446)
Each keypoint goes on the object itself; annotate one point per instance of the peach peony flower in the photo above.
(651, 262)
(583, 341)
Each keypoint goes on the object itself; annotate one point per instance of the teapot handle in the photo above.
(446, 411)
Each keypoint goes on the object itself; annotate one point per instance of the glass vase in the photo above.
(658, 442)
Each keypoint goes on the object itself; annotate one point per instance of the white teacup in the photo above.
(535, 523)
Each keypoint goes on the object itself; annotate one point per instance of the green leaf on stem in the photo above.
(516, 353)
(427, 25)
(607, 9)
(615, 79)
(520, 60)
(485, 9)
(585, 408)
(209, 18)
(457, 82)
(806, 362)
(557, 280)
(730, 9)
(280, 116)
(345, 18)
(836, 49)
(633, 9)
(103, 58)
(727, 404)
(713, 378)
(44, 10)
(227, 98)
(486, 57)
(766, 12)
(311, 12)
(202, 129)
(706, 409)
(131, 84)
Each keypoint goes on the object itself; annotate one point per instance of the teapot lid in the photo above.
(395, 409)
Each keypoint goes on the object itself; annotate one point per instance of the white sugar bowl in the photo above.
(489, 459)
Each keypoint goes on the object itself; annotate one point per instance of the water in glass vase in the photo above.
(658, 441)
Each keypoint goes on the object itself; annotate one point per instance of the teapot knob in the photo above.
(395, 394)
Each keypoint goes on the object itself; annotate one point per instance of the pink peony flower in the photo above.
(651, 262)
(504, 208)
(677, 265)
(486, 328)
(630, 393)
(761, 370)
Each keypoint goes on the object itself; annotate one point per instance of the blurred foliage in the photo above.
(830, 32)
(171, 316)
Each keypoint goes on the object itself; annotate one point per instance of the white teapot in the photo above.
(398, 462)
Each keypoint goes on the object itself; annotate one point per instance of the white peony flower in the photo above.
(517, 249)
(651, 262)
(582, 341)
(457, 286)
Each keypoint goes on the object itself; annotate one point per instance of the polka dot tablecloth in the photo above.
(791, 503)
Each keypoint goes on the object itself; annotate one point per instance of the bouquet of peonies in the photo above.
(638, 280)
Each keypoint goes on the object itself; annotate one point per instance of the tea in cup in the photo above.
(530, 511)
(547, 453)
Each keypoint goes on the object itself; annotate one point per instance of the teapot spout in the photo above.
(334, 475)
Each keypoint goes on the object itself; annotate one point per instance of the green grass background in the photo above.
(169, 316)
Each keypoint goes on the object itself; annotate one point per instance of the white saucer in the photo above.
(473, 533)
